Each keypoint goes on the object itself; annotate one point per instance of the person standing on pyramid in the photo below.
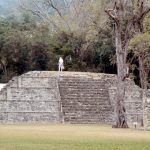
(60, 64)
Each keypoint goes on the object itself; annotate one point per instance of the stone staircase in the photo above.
(30, 98)
(85, 100)
(70, 97)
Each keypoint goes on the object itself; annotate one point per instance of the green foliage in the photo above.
(27, 45)
(140, 45)
(140, 49)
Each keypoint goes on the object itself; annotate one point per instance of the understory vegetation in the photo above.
(26, 46)
(82, 34)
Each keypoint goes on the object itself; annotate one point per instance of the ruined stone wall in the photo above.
(30, 98)
(146, 109)
(70, 97)
(133, 101)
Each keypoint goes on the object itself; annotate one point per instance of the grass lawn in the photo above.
(71, 137)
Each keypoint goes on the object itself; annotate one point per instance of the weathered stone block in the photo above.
(74, 97)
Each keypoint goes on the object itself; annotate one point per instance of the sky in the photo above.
(6, 3)
(10, 7)
(7, 7)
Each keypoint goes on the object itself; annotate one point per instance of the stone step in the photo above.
(86, 103)
(31, 82)
(79, 78)
(29, 117)
(88, 117)
(92, 82)
(85, 106)
(90, 111)
(29, 106)
(32, 94)
(100, 120)
(102, 93)
(83, 87)
(84, 90)
(79, 98)
(80, 84)
(81, 101)
(90, 121)
(86, 80)
(92, 97)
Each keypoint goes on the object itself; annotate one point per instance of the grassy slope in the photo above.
(71, 137)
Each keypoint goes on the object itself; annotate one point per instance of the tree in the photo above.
(67, 15)
(140, 47)
(15, 51)
(128, 17)
(4, 26)
(50, 11)
(15, 48)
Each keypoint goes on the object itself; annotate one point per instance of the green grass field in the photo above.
(71, 137)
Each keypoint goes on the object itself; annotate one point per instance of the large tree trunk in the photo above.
(120, 112)
(143, 76)
(127, 23)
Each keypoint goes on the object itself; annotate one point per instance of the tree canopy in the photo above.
(79, 31)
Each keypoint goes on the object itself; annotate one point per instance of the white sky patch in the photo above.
(1, 86)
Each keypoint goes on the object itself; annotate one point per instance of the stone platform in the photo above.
(69, 97)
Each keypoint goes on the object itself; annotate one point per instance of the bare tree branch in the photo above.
(111, 15)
